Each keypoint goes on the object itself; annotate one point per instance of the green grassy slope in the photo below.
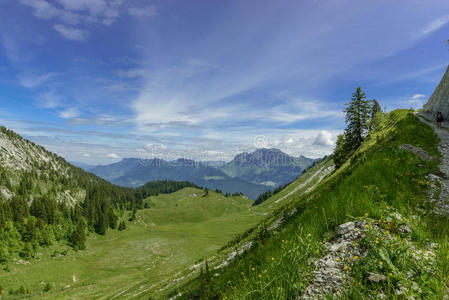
(175, 232)
(379, 179)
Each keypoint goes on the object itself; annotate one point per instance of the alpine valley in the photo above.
(333, 117)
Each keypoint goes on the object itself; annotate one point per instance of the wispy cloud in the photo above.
(50, 99)
(69, 113)
(435, 25)
(31, 80)
(71, 33)
(84, 12)
(417, 101)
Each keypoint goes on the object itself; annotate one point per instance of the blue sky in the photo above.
(97, 80)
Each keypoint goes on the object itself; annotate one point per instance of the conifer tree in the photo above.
(340, 152)
(79, 235)
(357, 118)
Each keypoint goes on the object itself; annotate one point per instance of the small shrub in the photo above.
(47, 287)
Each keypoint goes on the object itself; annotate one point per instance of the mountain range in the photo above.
(248, 173)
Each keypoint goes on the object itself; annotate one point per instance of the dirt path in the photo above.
(442, 203)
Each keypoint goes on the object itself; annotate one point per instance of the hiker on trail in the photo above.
(440, 119)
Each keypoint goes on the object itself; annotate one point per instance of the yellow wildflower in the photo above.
(390, 274)
(272, 258)
(356, 257)
(254, 269)
(338, 259)
(381, 262)
(309, 235)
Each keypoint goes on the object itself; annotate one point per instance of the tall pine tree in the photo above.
(357, 119)
(79, 235)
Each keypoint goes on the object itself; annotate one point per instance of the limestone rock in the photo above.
(439, 101)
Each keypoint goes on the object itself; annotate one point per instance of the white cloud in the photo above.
(435, 25)
(69, 113)
(324, 138)
(42, 8)
(418, 97)
(73, 12)
(417, 101)
(112, 156)
(72, 33)
(31, 81)
(93, 6)
(86, 155)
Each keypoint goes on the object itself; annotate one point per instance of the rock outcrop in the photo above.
(439, 101)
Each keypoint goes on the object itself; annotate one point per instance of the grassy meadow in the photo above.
(175, 232)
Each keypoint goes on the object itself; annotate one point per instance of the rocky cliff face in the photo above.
(439, 101)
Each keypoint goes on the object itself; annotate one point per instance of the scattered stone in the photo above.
(376, 277)
(22, 262)
(330, 274)
(234, 254)
(345, 228)
(404, 228)
(418, 151)
(440, 182)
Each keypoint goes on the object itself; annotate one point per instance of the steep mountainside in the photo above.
(439, 101)
(44, 199)
(269, 167)
(133, 172)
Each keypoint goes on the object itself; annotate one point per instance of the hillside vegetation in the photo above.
(44, 199)
(401, 247)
